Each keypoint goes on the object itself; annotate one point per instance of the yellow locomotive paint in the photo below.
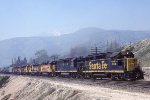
(53, 68)
(45, 68)
(110, 71)
(98, 65)
(67, 71)
(25, 69)
(29, 68)
(131, 64)
(35, 68)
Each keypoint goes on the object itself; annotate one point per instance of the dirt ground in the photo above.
(146, 73)
(33, 88)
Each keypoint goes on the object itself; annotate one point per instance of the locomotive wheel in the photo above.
(87, 76)
(73, 75)
(114, 77)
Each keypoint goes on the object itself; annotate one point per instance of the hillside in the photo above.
(141, 50)
(39, 88)
(27, 46)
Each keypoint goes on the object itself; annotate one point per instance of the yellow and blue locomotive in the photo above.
(118, 65)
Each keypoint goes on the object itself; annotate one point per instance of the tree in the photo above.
(19, 61)
(113, 46)
(41, 56)
(24, 62)
(54, 57)
(79, 51)
(30, 61)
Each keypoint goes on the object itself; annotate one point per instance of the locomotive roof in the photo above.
(53, 62)
(35, 64)
(97, 56)
(65, 59)
(114, 54)
(121, 54)
(127, 52)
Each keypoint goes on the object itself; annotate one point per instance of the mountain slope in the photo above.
(141, 50)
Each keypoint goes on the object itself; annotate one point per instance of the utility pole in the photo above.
(13, 63)
(107, 47)
(95, 50)
(130, 46)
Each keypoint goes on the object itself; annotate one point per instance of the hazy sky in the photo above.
(52, 17)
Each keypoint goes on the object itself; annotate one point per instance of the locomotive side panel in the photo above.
(104, 65)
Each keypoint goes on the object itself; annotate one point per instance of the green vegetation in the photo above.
(3, 80)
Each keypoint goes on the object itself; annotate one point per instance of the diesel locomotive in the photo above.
(115, 66)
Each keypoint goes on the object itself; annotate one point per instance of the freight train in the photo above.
(115, 66)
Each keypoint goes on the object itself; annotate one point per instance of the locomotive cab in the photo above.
(130, 64)
(131, 67)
